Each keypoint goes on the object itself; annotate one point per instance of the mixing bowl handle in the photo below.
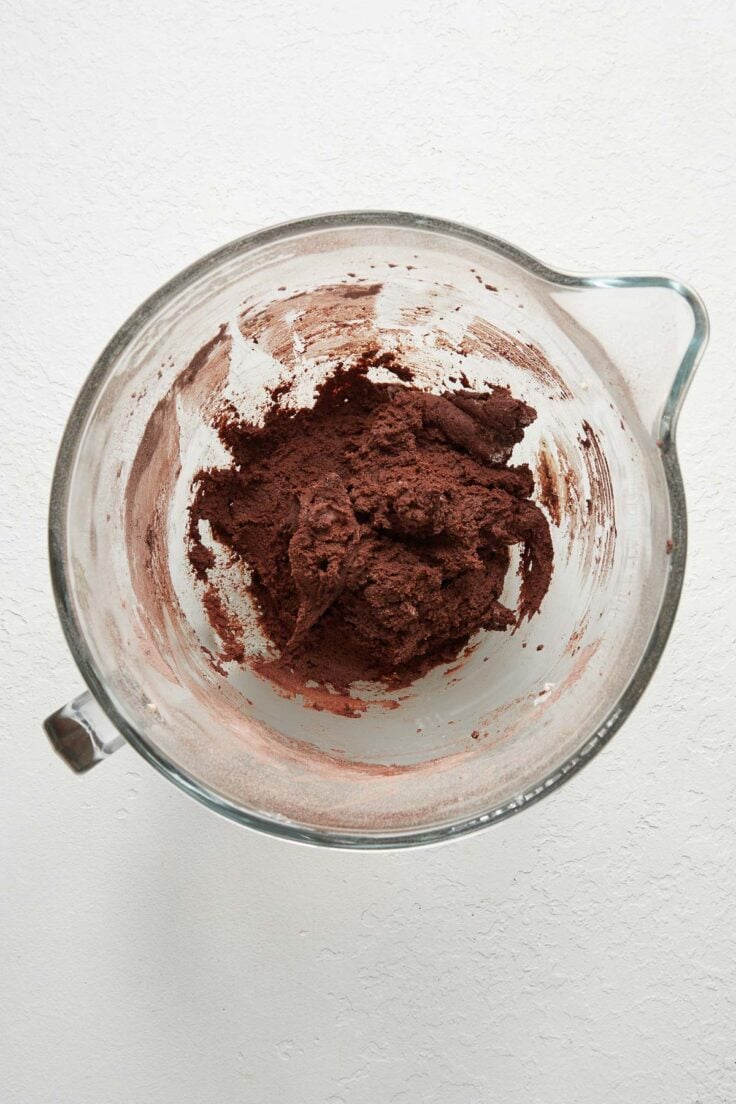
(653, 329)
(82, 734)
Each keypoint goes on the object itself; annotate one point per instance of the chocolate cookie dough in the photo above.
(376, 525)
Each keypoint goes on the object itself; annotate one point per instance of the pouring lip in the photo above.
(620, 710)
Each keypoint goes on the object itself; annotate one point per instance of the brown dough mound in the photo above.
(376, 525)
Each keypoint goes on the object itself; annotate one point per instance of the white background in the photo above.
(150, 953)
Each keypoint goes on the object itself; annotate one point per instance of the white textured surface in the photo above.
(583, 952)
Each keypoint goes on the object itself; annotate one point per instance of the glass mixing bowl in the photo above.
(606, 362)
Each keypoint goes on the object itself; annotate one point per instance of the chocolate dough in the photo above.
(376, 525)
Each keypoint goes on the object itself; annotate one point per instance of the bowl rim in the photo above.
(617, 714)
